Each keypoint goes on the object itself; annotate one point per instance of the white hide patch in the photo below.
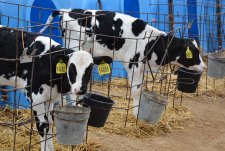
(154, 66)
(25, 72)
(94, 21)
(200, 67)
(48, 42)
(113, 27)
(21, 83)
(40, 98)
(81, 60)
(195, 44)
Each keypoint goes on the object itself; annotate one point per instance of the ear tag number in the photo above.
(189, 53)
(103, 68)
(60, 67)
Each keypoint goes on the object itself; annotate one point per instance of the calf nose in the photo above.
(76, 91)
(79, 91)
(204, 67)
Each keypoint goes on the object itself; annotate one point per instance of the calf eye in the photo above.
(72, 73)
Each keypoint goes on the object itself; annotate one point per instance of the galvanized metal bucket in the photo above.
(152, 106)
(216, 66)
(71, 124)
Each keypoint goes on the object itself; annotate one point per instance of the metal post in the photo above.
(171, 19)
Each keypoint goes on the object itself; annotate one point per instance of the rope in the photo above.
(22, 39)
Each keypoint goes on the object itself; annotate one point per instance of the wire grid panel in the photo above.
(206, 18)
(16, 122)
(163, 24)
(32, 130)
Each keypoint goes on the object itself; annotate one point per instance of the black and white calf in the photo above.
(44, 91)
(114, 35)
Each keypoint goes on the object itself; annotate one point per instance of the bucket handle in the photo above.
(193, 81)
(101, 102)
(189, 72)
(153, 98)
(216, 59)
(94, 107)
(71, 120)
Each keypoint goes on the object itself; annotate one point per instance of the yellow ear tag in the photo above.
(103, 68)
(60, 67)
(189, 53)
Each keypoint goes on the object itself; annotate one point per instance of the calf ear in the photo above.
(36, 48)
(31, 50)
(57, 58)
(99, 59)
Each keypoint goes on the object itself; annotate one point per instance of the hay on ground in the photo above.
(172, 118)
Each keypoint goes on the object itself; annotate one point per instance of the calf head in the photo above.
(40, 45)
(189, 57)
(79, 67)
(26, 38)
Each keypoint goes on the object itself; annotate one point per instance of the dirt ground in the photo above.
(205, 131)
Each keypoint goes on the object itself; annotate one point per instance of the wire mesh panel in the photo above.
(175, 21)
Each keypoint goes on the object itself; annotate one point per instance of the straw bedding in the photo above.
(23, 135)
(172, 117)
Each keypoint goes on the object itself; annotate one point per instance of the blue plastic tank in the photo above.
(21, 99)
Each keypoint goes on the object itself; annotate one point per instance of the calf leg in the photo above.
(136, 80)
(44, 125)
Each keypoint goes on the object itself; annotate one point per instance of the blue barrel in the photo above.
(41, 15)
(21, 99)
(2, 102)
(192, 17)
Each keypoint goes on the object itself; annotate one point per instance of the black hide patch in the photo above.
(12, 40)
(177, 48)
(8, 75)
(83, 16)
(111, 27)
(159, 46)
(61, 29)
(72, 73)
(76, 13)
(195, 55)
(106, 26)
(41, 126)
(86, 78)
(55, 13)
(138, 26)
(134, 61)
(37, 46)
(28, 38)
(41, 90)
(99, 59)
(149, 50)
(86, 22)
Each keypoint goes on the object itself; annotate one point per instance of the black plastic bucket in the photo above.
(187, 80)
(100, 108)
